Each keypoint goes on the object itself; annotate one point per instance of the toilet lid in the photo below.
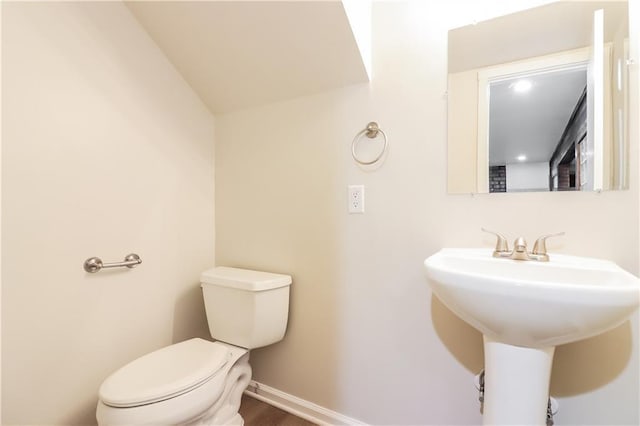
(164, 374)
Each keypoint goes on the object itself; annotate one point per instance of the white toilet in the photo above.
(198, 382)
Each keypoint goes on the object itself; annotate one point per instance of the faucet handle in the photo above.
(502, 246)
(540, 246)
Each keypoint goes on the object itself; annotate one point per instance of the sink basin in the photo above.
(524, 309)
(533, 304)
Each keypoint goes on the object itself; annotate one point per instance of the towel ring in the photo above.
(371, 131)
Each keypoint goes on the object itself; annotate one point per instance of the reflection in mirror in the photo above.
(536, 105)
(526, 115)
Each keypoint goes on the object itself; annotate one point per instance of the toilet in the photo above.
(199, 382)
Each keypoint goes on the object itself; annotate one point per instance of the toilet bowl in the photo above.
(199, 382)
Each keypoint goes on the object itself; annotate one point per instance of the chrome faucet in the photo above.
(539, 252)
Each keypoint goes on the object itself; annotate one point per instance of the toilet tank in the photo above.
(246, 308)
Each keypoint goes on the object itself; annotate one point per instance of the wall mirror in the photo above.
(537, 100)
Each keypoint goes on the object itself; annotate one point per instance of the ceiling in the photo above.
(240, 54)
(532, 123)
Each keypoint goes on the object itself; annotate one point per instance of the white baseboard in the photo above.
(298, 406)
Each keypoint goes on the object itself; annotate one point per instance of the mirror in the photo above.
(537, 100)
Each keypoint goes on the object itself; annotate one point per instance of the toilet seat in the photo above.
(181, 408)
(164, 374)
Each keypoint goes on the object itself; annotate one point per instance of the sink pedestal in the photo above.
(516, 383)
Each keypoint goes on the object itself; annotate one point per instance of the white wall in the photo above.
(105, 151)
(527, 177)
(365, 337)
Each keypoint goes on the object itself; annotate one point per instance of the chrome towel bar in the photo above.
(94, 264)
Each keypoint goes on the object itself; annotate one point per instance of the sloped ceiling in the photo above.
(240, 54)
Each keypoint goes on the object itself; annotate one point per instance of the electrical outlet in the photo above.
(356, 198)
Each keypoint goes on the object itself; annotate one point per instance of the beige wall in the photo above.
(365, 337)
(1, 7)
(106, 151)
(462, 133)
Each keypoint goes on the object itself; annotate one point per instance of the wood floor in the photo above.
(258, 413)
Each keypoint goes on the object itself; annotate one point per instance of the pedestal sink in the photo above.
(524, 309)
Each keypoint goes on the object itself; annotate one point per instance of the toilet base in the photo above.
(225, 410)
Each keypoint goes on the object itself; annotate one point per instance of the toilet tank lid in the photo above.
(244, 279)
